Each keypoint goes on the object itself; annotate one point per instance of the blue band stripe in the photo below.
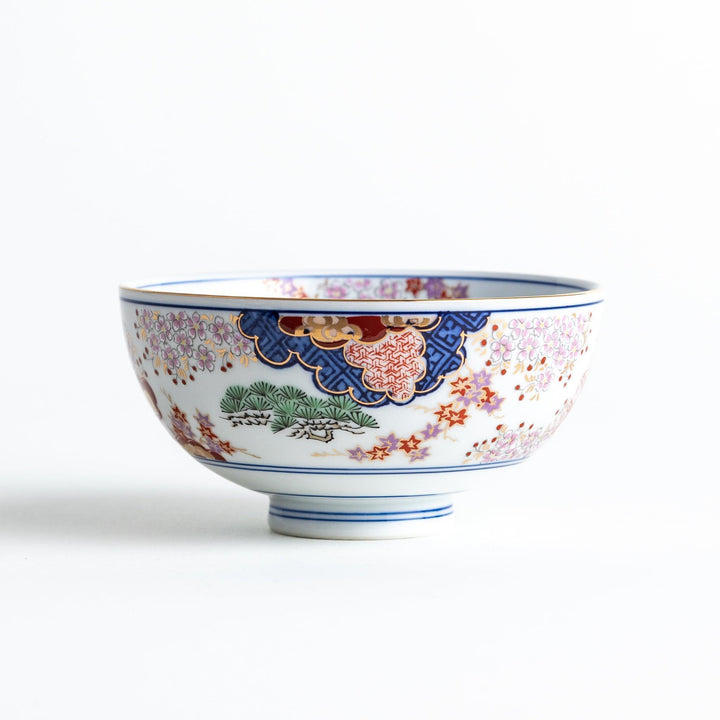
(399, 519)
(325, 512)
(352, 471)
(330, 311)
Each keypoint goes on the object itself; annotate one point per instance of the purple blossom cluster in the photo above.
(186, 342)
(476, 389)
(437, 288)
(355, 288)
(208, 444)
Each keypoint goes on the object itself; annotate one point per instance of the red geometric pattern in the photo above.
(392, 365)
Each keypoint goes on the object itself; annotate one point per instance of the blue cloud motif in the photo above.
(444, 354)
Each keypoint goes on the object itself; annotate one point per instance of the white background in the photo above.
(151, 138)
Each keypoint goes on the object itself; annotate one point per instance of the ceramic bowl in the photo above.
(361, 402)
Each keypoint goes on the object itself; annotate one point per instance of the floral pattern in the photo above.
(284, 287)
(200, 441)
(364, 288)
(515, 443)
(541, 351)
(184, 343)
(471, 391)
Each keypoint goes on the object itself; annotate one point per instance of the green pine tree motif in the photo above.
(290, 408)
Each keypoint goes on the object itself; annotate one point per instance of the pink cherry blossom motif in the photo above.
(560, 355)
(576, 345)
(533, 438)
(568, 326)
(542, 325)
(163, 328)
(362, 288)
(336, 291)
(197, 327)
(390, 289)
(171, 357)
(205, 358)
(178, 321)
(146, 320)
(220, 330)
(547, 345)
(154, 343)
(501, 350)
(184, 344)
(543, 380)
(517, 329)
(505, 444)
(529, 348)
(241, 346)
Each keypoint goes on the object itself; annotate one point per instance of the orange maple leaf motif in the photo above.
(207, 432)
(178, 413)
(461, 386)
(413, 285)
(445, 411)
(410, 444)
(379, 452)
(487, 396)
(457, 417)
(226, 447)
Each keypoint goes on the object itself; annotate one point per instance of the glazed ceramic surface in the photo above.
(360, 403)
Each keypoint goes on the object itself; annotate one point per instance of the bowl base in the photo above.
(359, 518)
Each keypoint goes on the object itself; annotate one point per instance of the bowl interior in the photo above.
(420, 285)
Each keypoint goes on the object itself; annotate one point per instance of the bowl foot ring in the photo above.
(359, 518)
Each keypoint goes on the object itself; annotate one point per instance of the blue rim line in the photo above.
(353, 471)
(405, 519)
(300, 276)
(325, 512)
(334, 311)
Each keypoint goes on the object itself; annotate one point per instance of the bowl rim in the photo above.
(582, 290)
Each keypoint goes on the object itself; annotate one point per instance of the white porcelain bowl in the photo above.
(360, 402)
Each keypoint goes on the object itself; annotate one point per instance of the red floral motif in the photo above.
(461, 386)
(392, 365)
(472, 392)
(410, 444)
(445, 411)
(414, 286)
(457, 417)
(486, 396)
(208, 444)
(379, 452)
